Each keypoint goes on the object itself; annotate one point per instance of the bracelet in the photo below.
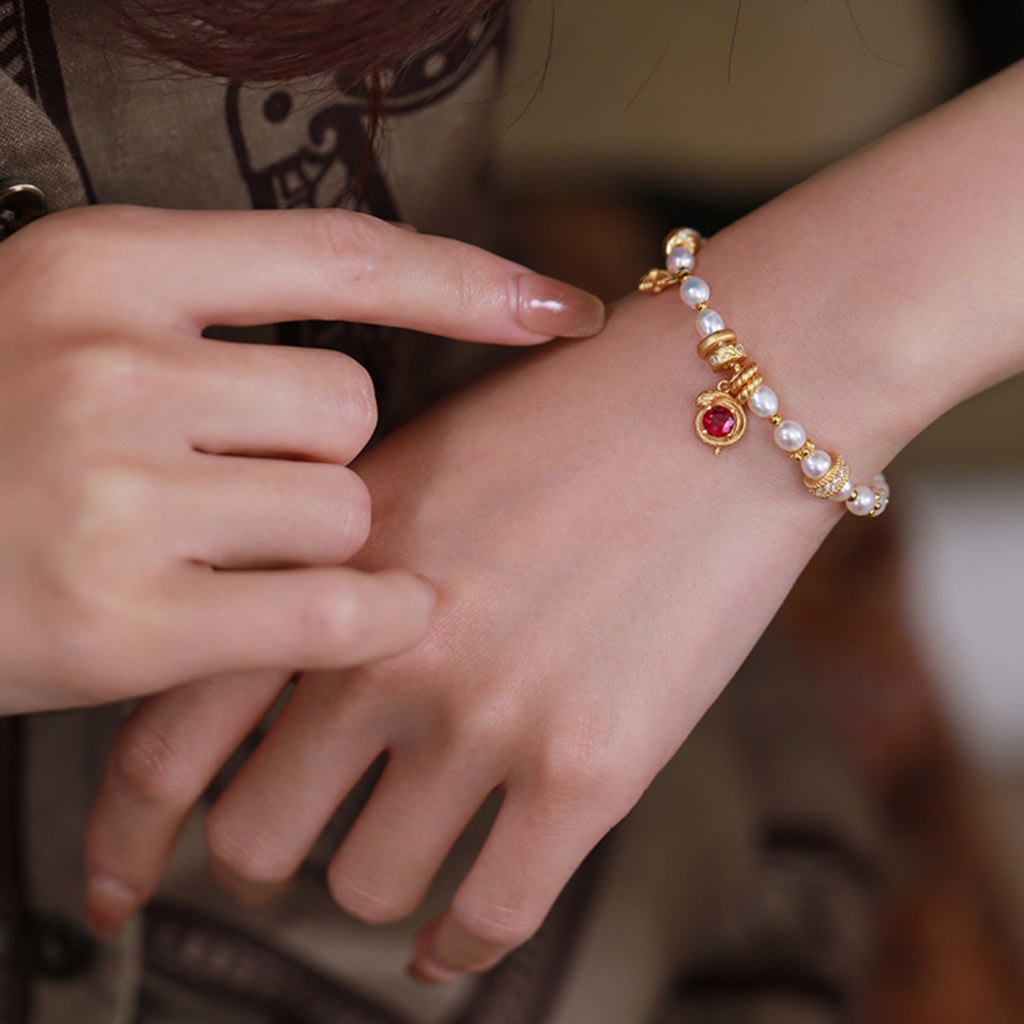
(721, 420)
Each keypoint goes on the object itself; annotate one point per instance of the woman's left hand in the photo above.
(600, 575)
(600, 578)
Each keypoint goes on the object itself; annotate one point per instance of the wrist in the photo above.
(886, 290)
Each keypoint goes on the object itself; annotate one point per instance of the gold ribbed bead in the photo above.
(744, 382)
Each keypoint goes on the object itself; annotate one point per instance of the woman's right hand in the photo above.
(176, 507)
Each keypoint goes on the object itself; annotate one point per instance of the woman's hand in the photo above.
(600, 577)
(599, 574)
(176, 507)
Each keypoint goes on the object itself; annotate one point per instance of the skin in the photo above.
(600, 575)
(165, 486)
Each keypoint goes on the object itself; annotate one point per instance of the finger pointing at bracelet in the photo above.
(266, 266)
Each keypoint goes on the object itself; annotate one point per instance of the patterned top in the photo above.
(88, 124)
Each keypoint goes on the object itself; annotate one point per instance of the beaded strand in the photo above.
(721, 419)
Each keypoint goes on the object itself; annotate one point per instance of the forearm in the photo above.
(885, 290)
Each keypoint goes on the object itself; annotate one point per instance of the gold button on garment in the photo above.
(20, 203)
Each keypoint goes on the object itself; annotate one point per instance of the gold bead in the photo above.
(801, 453)
(744, 382)
(832, 482)
(775, 419)
(727, 357)
(687, 238)
(708, 345)
(655, 281)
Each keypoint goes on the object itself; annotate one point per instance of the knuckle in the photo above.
(104, 372)
(59, 242)
(368, 902)
(60, 259)
(97, 390)
(346, 242)
(476, 726)
(99, 511)
(244, 853)
(150, 764)
(495, 925)
(565, 772)
(332, 621)
(573, 765)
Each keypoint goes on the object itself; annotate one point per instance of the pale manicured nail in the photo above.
(547, 306)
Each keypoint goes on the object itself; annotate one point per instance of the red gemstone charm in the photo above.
(718, 421)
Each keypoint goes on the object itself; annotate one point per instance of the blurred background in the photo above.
(622, 120)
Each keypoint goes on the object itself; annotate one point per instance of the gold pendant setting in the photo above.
(720, 420)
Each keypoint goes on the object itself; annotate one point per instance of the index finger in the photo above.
(239, 268)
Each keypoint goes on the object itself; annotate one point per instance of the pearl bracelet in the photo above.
(721, 420)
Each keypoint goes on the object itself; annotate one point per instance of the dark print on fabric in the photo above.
(293, 151)
(14, 58)
(230, 967)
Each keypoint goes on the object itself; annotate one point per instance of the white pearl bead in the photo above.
(863, 502)
(816, 465)
(763, 402)
(680, 259)
(844, 492)
(883, 503)
(708, 321)
(695, 290)
(790, 436)
(881, 484)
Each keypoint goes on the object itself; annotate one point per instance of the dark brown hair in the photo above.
(278, 40)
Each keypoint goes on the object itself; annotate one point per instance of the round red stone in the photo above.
(718, 421)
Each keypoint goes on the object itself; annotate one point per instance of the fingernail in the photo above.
(110, 903)
(429, 972)
(547, 306)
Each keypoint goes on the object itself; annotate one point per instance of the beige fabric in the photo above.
(31, 149)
